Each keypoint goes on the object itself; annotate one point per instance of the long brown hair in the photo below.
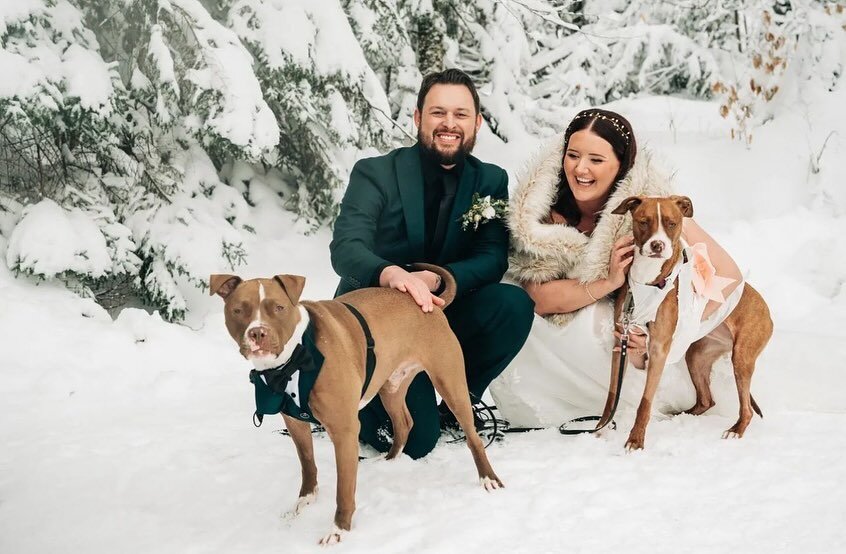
(614, 129)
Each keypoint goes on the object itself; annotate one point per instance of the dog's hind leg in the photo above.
(700, 358)
(751, 335)
(300, 432)
(394, 403)
(450, 382)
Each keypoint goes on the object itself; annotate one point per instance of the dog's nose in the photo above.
(657, 246)
(257, 334)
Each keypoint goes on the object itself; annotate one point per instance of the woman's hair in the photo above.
(614, 129)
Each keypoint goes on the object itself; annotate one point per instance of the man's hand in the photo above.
(414, 284)
(432, 280)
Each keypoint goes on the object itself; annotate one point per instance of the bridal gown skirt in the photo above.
(564, 372)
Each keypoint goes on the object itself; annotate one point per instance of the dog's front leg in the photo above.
(345, 439)
(300, 432)
(660, 338)
(654, 369)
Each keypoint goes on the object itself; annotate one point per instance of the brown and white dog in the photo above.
(745, 331)
(267, 320)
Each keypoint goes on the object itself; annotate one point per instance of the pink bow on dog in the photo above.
(706, 282)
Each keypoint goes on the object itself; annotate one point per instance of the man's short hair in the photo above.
(451, 76)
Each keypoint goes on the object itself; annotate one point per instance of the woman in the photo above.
(570, 254)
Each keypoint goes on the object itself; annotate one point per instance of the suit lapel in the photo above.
(410, 184)
(466, 187)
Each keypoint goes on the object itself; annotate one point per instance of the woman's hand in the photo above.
(636, 347)
(622, 254)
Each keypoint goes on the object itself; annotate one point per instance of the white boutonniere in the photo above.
(482, 210)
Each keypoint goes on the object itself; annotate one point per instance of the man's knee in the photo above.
(422, 441)
(515, 308)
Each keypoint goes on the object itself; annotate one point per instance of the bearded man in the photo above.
(406, 207)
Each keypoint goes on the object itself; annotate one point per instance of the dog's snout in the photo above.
(657, 246)
(257, 334)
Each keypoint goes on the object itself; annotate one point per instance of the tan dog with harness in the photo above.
(377, 327)
(660, 275)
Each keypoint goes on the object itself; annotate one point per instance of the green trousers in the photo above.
(491, 324)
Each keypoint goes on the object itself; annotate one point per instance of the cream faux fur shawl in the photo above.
(541, 251)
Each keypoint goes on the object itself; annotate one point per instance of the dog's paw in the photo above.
(491, 484)
(730, 434)
(300, 505)
(333, 537)
(634, 444)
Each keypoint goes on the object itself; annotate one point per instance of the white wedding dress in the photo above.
(563, 372)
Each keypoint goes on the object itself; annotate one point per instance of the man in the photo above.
(405, 207)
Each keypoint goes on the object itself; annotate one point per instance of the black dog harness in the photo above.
(270, 384)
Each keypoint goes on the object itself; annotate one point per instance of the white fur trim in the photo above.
(544, 251)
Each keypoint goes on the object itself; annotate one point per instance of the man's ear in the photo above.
(685, 205)
(628, 205)
(416, 118)
(292, 285)
(478, 122)
(223, 285)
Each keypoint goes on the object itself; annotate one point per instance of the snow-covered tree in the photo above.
(145, 131)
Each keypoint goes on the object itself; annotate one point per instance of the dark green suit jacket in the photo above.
(382, 222)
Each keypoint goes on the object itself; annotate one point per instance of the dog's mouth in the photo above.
(254, 352)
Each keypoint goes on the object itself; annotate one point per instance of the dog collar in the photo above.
(663, 282)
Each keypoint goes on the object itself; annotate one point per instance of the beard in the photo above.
(431, 150)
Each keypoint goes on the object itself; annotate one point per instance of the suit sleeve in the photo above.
(352, 247)
(488, 259)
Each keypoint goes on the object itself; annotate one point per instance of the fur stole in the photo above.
(541, 251)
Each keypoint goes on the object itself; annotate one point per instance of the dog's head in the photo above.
(656, 223)
(261, 314)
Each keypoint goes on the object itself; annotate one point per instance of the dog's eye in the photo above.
(278, 308)
(671, 225)
(643, 223)
(237, 311)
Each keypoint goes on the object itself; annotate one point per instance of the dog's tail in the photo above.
(449, 286)
(755, 406)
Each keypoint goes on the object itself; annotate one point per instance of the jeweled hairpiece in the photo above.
(616, 123)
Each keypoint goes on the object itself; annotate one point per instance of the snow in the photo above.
(245, 118)
(50, 240)
(65, 56)
(135, 435)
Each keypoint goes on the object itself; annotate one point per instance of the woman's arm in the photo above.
(723, 262)
(566, 295)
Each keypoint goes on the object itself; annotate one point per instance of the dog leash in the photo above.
(626, 322)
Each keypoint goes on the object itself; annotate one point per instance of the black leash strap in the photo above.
(370, 361)
(628, 308)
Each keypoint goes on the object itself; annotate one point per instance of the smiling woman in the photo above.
(570, 253)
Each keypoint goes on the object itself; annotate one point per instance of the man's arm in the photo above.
(354, 237)
(489, 258)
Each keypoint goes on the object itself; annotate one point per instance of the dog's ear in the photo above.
(223, 284)
(628, 205)
(684, 204)
(292, 285)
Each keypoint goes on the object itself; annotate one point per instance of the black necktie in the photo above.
(450, 184)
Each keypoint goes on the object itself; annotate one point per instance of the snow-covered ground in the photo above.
(135, 435)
